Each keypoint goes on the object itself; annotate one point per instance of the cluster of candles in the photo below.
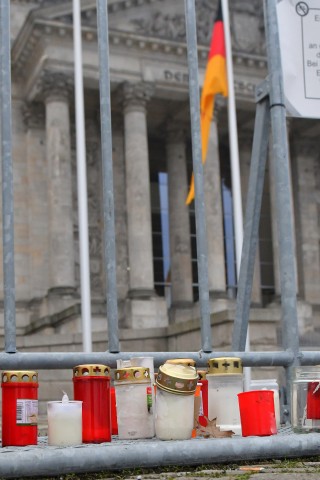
(143, 404)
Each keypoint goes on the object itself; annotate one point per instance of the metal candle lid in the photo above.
(189, 362)
(91, 370)
(23, 376)
(225, 366)
(132, 375)
(178, 379)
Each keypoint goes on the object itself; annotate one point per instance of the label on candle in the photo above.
(149, 399)
(27, 412)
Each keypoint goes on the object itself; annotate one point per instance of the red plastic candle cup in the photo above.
(313, 401)
(114, 420)
(19, 408)
(257, 413)
(91, 385)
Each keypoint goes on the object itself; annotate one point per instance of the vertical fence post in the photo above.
(290, 330)
(201, 231)
(7, 180)
(107, 176)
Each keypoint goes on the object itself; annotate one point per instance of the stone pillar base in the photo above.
(180, 312)
(305, 316)
(56, 300)
(146, 313)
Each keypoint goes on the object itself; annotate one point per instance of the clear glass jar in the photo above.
(225, 381)
(305, 415)
(134, 403)
(174, 412)
(269, 384)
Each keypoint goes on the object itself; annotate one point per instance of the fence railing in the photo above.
(269, 105)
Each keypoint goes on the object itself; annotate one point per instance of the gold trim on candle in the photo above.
(178, 379)
(23, 376)
(132, 375)
(225, 366)
(91, 370)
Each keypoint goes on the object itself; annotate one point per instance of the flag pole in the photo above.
(234, 159)
(82, 183)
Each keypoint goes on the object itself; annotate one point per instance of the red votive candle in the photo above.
(313, 401)
(91, 385)
(19, 408)
(114, 420)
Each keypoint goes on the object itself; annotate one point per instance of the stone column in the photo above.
(180, 247)
(214, 216)
(146, 311)
(56, 92)
(138, 190)
(34, 120)
(245, 149)
(305, 158)
(119, 182)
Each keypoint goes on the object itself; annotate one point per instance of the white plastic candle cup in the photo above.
(225, 381)
(64, 423)
(174, 413)
(174, 416)
(134, 398)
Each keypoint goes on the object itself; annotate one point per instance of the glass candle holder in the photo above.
(225, 381)
(174, 414)
(305, 416)
(19, 408)
(64, 423)
(134, 403)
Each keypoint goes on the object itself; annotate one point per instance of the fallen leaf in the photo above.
(251, 469)
(211, 430)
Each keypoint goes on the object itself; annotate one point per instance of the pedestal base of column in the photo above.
(180, 312)
(146, 312)
(216, 305)
(305, 317)
(57, 299)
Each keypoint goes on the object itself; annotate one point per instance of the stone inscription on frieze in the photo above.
(165, 74)
(175, 76)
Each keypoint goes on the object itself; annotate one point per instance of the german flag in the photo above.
(215, 81)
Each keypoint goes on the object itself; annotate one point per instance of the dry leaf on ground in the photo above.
(211, 430)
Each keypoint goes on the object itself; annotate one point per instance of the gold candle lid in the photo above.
(225, 366)
(23, 376)
(132, 375)
(178, 379)
(189, 362)
(91, 370)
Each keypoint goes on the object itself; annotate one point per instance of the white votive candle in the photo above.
(64, 423)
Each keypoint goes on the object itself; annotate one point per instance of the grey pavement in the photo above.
(281, 470)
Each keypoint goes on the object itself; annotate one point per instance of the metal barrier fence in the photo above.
(270, 106)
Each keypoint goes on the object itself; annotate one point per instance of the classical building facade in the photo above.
(155, 230)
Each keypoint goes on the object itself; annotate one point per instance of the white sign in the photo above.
(299, 33)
